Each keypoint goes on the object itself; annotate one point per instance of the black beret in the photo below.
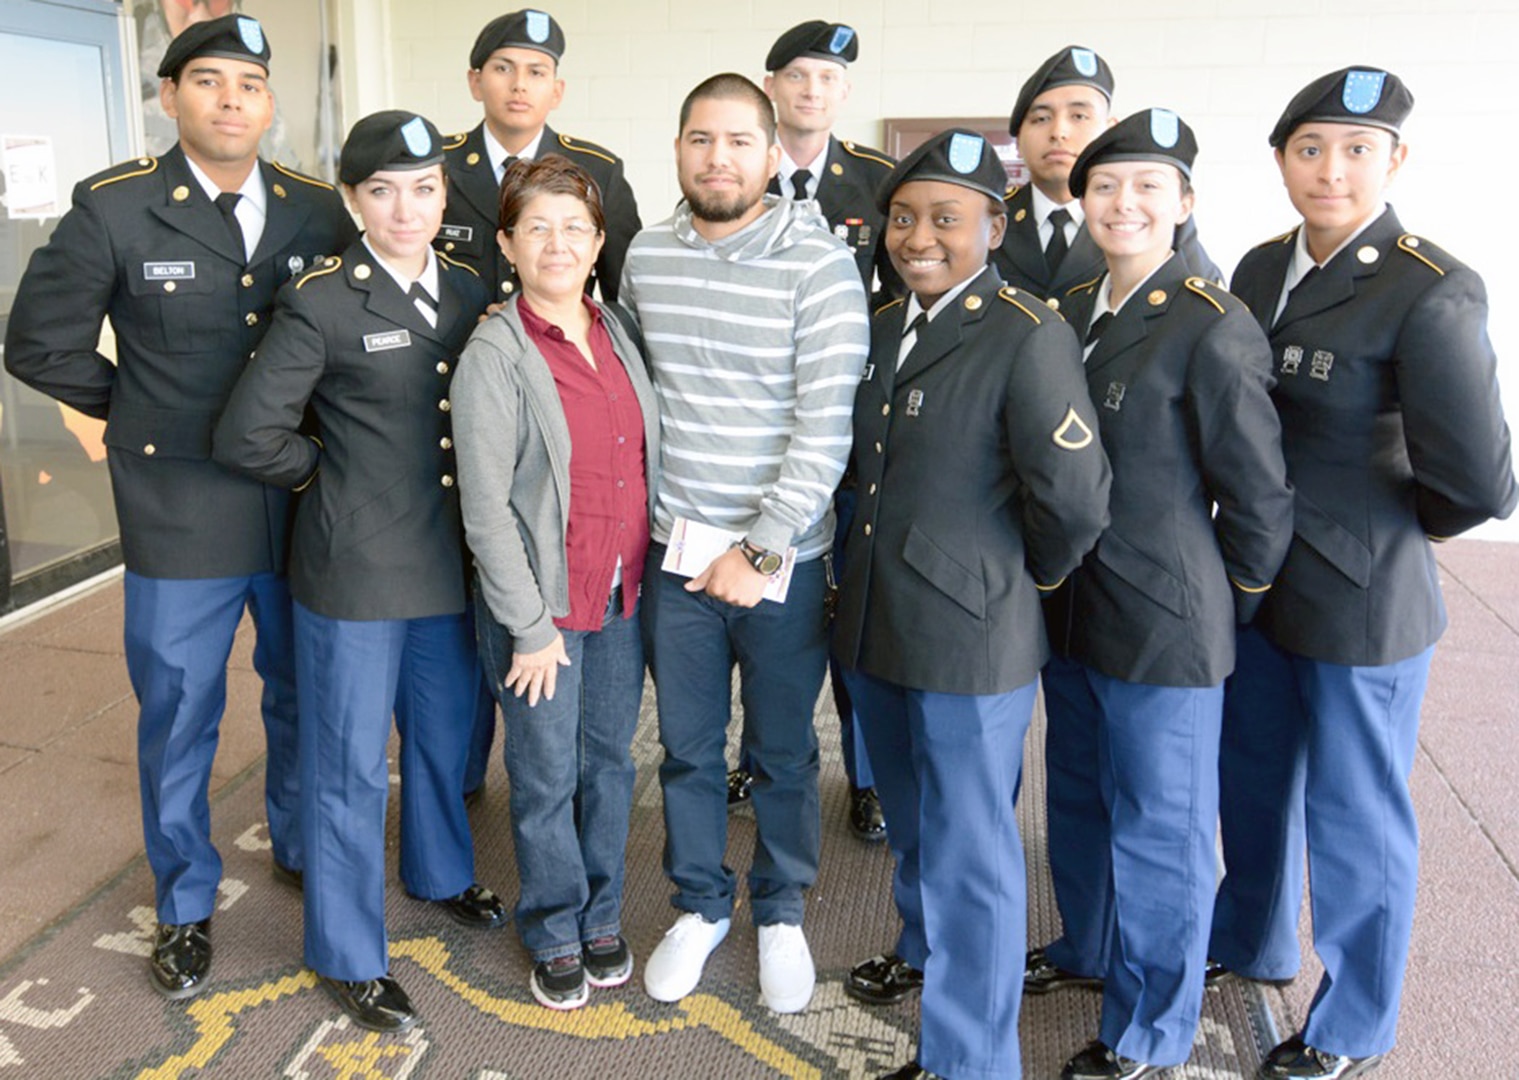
(525, 29)
(1353, 95)
(235, 37)
(955, 156)
(393, 139)
(1150, 135)
(817, 39)
(1071, 66)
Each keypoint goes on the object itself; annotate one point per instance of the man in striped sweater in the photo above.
(755, 322)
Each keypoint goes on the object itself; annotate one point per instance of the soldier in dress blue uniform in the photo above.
(1179, 373)
(1394, 436)
(808, 81)
(981, 483)
(1062, 107)
(378, 571)
(184, 253)
(514, 74)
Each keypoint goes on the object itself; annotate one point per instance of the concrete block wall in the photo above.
(1228, 68)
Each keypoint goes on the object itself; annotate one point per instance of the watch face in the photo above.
(768, 563)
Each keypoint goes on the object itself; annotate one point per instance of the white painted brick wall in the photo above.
(1227, 67)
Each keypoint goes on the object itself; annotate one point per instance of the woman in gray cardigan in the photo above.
(557, 443)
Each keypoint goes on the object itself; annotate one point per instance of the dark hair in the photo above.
(549, 175)
(732, 87)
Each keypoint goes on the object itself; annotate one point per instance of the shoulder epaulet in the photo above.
(889, 305)
(1201, 286)
(581, 146)
(456, 141)
(1014, 297)
(1012, 189)
(456, 262)
(867, 153)
(302, 177)
(136, 167)
(1085, 286)
(1410, 244)
(331, 265)
(1286, 238)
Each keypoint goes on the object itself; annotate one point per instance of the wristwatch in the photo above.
(766, 562)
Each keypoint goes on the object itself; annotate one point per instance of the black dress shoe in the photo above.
(883, 980)
(740, 786)
(1215, 974)
(1097, 1062)
(1040, 975)
(374, 1004)
(476, 907)
(1296, 1060)
(911, 1071)
(181, 959)
(286, 875)
(865, 819)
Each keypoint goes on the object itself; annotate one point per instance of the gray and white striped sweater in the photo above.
(756, 344)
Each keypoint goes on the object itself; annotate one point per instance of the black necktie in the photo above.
(1058, 245)
(505, 164)
(917, 324)
(226, 202)
(418, 295)
(799, 181)
(1098, 326)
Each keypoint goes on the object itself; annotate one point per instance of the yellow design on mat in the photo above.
(213, 1021)
(214, 1015)
(361, 1060)
(612, 1021)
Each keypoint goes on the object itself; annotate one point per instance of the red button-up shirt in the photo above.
(609, 498)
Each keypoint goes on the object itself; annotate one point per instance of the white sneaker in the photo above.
(674, 967)
(785, 968)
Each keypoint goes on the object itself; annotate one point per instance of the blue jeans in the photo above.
(571, 769)
(693, 640)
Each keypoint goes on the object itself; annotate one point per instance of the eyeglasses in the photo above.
(538, 231)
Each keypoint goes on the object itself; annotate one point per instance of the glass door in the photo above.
(63, 116)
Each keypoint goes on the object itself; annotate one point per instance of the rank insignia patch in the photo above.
(1072, 434)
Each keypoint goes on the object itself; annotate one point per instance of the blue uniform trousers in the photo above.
(351, 676)
(692, 641)
(1080, 864)
(1355, 731)
(946, 766)
(1261, 766)
(178, 637)
(1158, 766)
